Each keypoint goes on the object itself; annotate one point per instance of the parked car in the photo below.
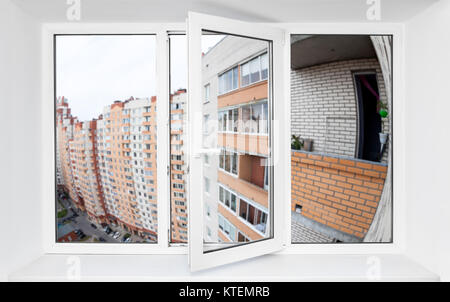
(107, 230)
(116, 235)
(102, 239)
(93, 226)
(128, 240)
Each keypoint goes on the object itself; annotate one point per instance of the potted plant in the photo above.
(382, 109)
(296, 143)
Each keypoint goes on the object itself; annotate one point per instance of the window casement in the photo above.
(228, 161)
(207, 93)
(228, 81)
(245, 119)
(255, 70)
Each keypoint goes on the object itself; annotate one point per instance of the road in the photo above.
(82, 222)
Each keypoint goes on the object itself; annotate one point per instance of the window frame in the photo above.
(161, 32)
(49, 244)
(241, 65)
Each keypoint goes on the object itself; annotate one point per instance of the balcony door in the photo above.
(237, 106)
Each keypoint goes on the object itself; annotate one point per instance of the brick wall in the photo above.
(338, 192)
(324, 106)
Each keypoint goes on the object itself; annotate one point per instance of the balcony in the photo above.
(245, 188)
(248, 143)
(246, 94)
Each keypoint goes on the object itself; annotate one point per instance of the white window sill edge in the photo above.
(275, 267)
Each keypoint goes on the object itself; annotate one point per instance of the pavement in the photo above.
(83, 223)
(303, 234)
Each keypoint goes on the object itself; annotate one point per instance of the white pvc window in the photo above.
(228, 80)
(230, 159)
(254, 70)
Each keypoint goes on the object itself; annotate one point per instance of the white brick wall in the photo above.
(324, 106)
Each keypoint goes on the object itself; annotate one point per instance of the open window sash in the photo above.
(238, 212)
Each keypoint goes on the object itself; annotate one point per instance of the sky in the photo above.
(94, 71)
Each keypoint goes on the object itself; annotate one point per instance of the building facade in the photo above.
(178, 168)
(235, 115)
(108, 165)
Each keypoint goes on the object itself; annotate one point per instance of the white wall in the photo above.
(428, 141)
(20, 82)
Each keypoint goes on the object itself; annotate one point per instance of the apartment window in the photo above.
(227, 198)
(228, 80)
(254, 70)
(207, 184)
(256, 217)
(228, 120)
(242, 237)
(207, 88)
(255, 118)
(206, 124)
(228, 161)
(227, 227)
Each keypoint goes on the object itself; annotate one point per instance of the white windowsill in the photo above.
(275, 267)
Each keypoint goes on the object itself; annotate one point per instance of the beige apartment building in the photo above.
(108, 165)
(178, 168)
(235, 112)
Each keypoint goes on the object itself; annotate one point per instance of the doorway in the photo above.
(368, 142)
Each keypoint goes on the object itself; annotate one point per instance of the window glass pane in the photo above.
(234, 163)
(178, 106)
(227, 198)
(264, 124)
(106, 159)
(221, 194)
(207, 93)
(220, 121)
(233, 202)
(264, 66)
(360, 137)
(222, 159)
(230, 120)
(246, 122)
(227, 161)
(235, 120)
(254, 70)
(235, 78)
(257, 118)
(245, 80)
(236, 173)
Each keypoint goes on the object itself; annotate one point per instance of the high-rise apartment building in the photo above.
(178, 167)
(108, 165)
(235, 113)
(64, 162)
(87, 180)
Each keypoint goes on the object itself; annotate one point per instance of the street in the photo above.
(81, 222)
